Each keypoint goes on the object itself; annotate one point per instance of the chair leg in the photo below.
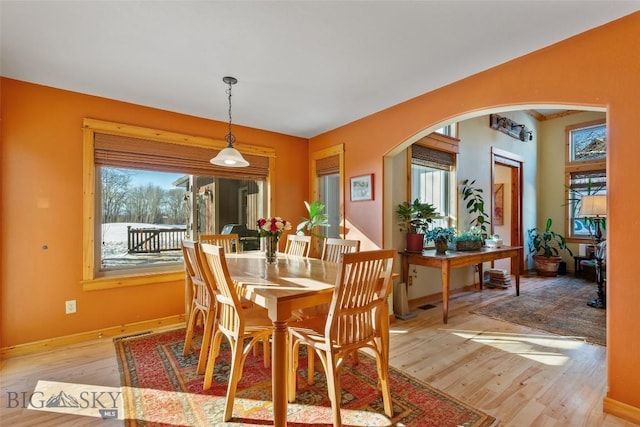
(333, 388)
(234, 378)
(209, 325)
(190, 328)
(311, 361)
(266, 352)
(383, 382)
(293, 348)
(211, 360)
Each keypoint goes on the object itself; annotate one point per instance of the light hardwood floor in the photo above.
(523, 377)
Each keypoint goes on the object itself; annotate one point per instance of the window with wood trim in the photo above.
(432, 169)
(585, 173)
(146, 190)
(326, 186)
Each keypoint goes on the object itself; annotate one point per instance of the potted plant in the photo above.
(317, 218)
(470, 240)
(415, 218)
(474, 202)
(545, 245)
(441, 237)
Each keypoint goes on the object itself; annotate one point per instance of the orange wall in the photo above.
(42, 163)
(598, 68)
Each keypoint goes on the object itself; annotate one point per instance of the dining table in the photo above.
(281, 288)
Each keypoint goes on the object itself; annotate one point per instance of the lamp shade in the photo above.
(591, 206)
(229, 157)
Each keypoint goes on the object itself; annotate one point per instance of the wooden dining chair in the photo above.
(203, 303)
(358, 318)
(244, 328)
(298, 245)
(333, 248)
(230, 242)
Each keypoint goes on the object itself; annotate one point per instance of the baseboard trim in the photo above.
(437, 297)
(621, 410)
(52, 343)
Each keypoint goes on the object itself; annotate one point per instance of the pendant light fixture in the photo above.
(229, 156)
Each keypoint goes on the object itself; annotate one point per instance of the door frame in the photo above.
(515, 163)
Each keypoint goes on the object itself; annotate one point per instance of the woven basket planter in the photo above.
(468, 245)
(546, 266)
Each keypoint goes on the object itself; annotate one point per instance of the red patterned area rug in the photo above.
(161, 388)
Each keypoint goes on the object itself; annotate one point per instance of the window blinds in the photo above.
(429, 157)
(137, 153)
(328, 165)
(594, 180)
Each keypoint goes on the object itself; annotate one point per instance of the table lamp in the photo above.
(594, 207)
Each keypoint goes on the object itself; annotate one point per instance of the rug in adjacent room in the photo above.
(161, 387)
(557, 305)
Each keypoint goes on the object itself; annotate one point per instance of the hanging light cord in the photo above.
(230, 138)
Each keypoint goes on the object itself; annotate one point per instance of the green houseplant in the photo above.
(546, 246)
(474, 202)
(470, 240)
(317, 220)
(441, 237)
(415, 218)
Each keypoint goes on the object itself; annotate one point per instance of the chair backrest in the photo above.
(333, 248)
(203, 290)
(298, 245)
(360, 297)
(230, 242)
(230, 312)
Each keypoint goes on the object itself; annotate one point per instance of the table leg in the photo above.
(279, 359)
(480, 275)
(445, 270)
(405, 269)
(515, 267)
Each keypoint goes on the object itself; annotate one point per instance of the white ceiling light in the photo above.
(229, 156)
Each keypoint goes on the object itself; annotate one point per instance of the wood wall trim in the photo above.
(542, 117)
(111, 282)
(172, 137)
(508, 155)
(437, 141)
(621, 410)
(105, 333)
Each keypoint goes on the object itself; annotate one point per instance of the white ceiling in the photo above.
(303, 67)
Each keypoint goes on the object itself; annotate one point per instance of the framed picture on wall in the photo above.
(362, 188)
(498, 209)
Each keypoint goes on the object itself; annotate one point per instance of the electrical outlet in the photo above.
(70, 306)
(410, 280)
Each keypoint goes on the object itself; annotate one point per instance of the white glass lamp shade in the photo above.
(593, 206)
(230, 157)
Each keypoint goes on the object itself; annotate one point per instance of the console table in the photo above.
(456, 259)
